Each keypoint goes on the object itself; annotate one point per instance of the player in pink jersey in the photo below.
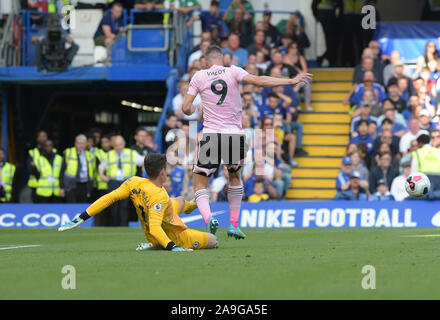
(222, 136)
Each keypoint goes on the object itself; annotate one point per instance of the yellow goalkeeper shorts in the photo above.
(192, 239)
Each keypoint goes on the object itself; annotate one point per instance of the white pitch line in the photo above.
(422, 236)
(18, 247)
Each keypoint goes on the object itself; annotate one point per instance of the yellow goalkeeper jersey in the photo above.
(156, 210)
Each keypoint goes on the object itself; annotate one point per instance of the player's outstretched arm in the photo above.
(98, 206)
(266, 81)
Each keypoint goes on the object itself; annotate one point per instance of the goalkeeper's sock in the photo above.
(235, 194)
(189, 206)
(202, 200)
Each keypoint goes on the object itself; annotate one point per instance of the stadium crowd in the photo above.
(395, 128)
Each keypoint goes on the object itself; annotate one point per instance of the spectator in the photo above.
(390, 112)
(119, 164)
(424, 100)
(382, 192)
(178, 101)
(185, 6)
(249, 107)
(245, 5)
(431, 54)
(353, 191)
(261, 61)
(8, 179)
(424, 119)
(360, 167)
(259, 44)
(363, 136)
(370, 98)
(199, 53)
(277, 62)
(272, 33)
(325, 13)
(140, 138)
(234, 49)
(399, 73)
(367, 64)
(259, 172)
(389, 70)
(413, 133)
(295, 29)
(210, 20)
(372, 129)
(365, 111)
(355, 95)
(388, 124)
(393, 95)
(77, 172)
(296, 60)
(219, 186)
(259, 194)
(110, 25)
(240, 24)
(383, 170)
(176, 172)
(398, 185)
(426, 159)
(48, 171)
(343, 177)
(34, 153)
(435, 138)
(168, 134)
(149, 16)
(387, 137)
(385, 148)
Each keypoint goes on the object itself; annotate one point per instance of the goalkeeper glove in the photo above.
(171, 246)
(76, 222)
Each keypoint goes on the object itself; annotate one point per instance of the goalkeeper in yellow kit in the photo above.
(157, 212)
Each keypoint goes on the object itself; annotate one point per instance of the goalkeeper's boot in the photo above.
(145, 246)
(235, 232)
(212, 225)
(76, 222)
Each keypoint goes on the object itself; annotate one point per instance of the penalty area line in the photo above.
(24, 246)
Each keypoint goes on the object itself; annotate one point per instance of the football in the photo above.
(417, 184)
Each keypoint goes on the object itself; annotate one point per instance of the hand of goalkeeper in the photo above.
(76, 222)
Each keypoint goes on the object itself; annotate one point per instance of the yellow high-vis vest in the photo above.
(34, 154)
(428, 159)
(128, 164)
(99, 183)
(8, 172)
(49, 181)
(353, 6)
(71, 158)
(325, 5)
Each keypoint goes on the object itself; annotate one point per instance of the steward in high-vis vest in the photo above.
(47, 170)
(120, 164)
(7, 175)
(34, 153)
(78, 172)
(327, 13)
(426, 159)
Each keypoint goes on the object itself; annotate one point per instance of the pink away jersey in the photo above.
(221, 100)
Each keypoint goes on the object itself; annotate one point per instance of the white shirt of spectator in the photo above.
(405, 140)
(177, 105)
(194, 56)
(398, 188)
(83, 174)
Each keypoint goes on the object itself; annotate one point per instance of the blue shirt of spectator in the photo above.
(355, 122)
(108, 20)
(348, 194)
(241, 55)
(344, 175)
(209, 21)
(396, 128)
(367, 139)
(358, 94)
(288, 91)
(177, 175)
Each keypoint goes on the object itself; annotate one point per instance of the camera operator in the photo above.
(50, 47)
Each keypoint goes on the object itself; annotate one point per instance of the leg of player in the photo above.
(212, 243)
(202, 201)
(235, 195)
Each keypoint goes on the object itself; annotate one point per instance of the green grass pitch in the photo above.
(269, 264)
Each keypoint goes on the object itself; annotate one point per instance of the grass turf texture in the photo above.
(269, 264)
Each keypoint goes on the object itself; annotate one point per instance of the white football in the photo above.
(417, 184)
